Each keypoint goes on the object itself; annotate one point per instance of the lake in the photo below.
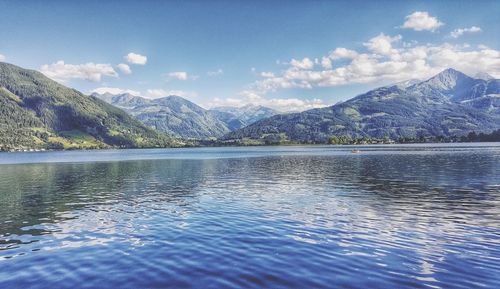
(391, 216)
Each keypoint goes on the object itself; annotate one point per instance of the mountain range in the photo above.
(182, 118)
(37, 112)
(448, 104)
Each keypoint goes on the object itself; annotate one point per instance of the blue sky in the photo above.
(291, 55)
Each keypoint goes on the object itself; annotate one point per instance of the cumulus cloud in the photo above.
(469, 61)
(341, 52)
(420, 21)
(293, 104)
(157, 93)
(305, 63)
(124, 68)
(382, 44)
(60, 71)
(177, 75)
(2, 57)
(215, 72)
(279, 104)
(326, 62)
(114, 90)
(460, 31)
(134, 58)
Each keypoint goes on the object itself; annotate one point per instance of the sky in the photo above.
(288, 55)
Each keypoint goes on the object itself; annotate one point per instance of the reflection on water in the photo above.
(378, 219)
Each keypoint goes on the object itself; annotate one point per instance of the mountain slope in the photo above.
(451, 103)
(37, 112)
(172, 114)
(238, 117)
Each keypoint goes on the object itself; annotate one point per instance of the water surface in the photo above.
(400, 216)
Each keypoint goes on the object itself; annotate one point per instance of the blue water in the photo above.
(396, 216)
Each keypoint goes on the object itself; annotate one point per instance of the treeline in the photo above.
(471, 137)
(281, 139)
(482, 137)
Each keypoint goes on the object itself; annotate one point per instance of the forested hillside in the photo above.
(37, 112)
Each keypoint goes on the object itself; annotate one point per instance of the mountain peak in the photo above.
(448, 79)
(450, 70)
(451, 73)
(178, 103)
(121, 100)
(175, 100)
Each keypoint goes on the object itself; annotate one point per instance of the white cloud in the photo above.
(293, 104)
(61, 71)
(460, 31)
(326, 62)
(421, 20)
(218, 102)
(177, 75)
(305, 63)
(385, 60)
(468, 61)
(134, 58)
(382, 44)
(115, 90)
(340, 53)
(124, 68)
(279, 104)
(157, 93)
(2, 57)
(215, 72)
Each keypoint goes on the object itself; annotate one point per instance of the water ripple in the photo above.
(393, 217)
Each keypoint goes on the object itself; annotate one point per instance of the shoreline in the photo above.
(214, 153)
(32, 150)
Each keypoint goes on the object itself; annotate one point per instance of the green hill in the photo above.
(37, 112)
